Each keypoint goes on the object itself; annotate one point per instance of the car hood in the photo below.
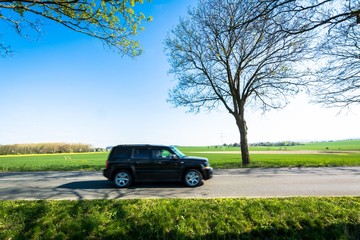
(195, 158)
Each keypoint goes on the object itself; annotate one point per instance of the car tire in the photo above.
(122, 179)
(193, 178)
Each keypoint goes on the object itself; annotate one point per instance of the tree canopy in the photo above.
(114, 22)
(337, 79)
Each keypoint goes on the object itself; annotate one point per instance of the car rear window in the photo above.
(120, 153)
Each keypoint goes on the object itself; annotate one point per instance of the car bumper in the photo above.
(107, 173)
(208, 173)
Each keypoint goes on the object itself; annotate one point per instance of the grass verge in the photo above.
(275, 218)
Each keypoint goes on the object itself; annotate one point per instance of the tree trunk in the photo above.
(241, 123)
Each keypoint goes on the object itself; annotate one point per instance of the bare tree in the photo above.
(234, 54)
(114, 22)
(337, 82)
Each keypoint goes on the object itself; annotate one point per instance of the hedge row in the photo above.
(40, 148)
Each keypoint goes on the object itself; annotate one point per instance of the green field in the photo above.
(283, 218)
(53, 162)
(341, 153)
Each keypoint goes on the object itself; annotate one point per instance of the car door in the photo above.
(165, 167)
(143, 164)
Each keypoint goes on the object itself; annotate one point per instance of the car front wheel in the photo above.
(193, 178)
(122, 179)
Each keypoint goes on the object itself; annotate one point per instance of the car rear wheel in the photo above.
(193, 178)
(122, 179)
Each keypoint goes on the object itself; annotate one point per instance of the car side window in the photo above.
(120, 153)
(143, 153)
(161, 154)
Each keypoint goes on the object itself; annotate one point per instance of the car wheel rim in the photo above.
(122, 179)
(192, 178)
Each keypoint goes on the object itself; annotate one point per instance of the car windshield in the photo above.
(177, 152)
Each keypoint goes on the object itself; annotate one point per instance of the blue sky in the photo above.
(67, 87)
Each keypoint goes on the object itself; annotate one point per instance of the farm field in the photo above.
(341, 153)
(53, 162)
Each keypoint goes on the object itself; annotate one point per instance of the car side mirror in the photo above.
(174, 157)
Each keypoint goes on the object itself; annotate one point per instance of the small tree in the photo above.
(233, 53)
(114, 22)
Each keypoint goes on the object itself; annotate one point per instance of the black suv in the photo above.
(144, 163)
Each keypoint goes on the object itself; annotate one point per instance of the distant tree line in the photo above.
(276, 144)
(266, 144)
(41, 148)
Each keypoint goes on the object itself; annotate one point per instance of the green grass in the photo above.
(287, 218)
(56, 162)
(346, 145)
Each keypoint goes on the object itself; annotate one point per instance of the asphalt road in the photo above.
(274, 182)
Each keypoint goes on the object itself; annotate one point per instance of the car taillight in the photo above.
(107, 164)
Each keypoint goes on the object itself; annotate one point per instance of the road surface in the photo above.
(258, 182)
